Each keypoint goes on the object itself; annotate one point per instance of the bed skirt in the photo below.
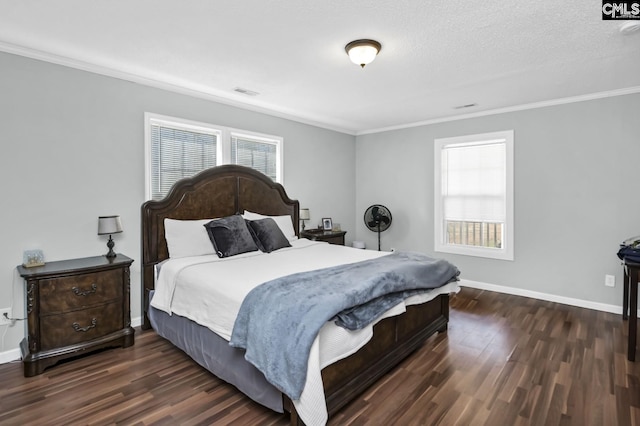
(214, 354)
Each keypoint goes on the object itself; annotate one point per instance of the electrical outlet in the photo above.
(3, 319)
(610, 280)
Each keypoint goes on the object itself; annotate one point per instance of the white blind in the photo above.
(257, 154)
(474, 182)
(177, 153)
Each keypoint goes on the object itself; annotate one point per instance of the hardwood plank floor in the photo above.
(505, 360)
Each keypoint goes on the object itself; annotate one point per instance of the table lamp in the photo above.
(108, 225)
(304, 215)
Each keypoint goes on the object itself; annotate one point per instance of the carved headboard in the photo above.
(216, 192)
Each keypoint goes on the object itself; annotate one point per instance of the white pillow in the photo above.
(284, 223)
(187, 238)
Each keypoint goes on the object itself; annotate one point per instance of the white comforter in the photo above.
(210, 290)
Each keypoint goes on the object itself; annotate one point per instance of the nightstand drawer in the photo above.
(74, 307)
(339, 240)
(77, 291)
(80, 326)
(331, 237)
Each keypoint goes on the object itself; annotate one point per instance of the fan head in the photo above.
(377, 218)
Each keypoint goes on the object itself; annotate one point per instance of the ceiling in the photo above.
(436, 55)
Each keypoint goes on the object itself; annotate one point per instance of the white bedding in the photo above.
(209, 290)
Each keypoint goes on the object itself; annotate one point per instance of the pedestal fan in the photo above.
(377, 218)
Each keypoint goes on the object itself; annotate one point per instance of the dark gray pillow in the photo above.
(268, 235)
(230, 236)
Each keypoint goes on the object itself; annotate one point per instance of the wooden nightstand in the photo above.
(332, 237)
(75, 306)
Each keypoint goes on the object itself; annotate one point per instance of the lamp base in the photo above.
(111, 254)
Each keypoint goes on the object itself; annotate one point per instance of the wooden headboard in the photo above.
(217, 192)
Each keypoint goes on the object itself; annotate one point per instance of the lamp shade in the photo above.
(109, 225)
(304, 214)
(362, 52)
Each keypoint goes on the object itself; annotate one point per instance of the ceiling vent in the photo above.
(464, 106)
(245, 91)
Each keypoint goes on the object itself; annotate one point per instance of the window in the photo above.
(179, 151)
(177, 148)
(474, 195)
(257, 153)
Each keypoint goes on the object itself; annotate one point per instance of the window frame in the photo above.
(223, 147)
(269, 139)
(440, 245)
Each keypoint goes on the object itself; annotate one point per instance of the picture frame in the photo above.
(327, 224)
(32, 258)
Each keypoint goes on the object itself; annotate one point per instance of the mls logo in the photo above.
(616, 10)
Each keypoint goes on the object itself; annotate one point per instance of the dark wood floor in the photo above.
(506, 360)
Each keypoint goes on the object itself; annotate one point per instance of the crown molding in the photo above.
(534, 105)
(271, 110)
(163, 85)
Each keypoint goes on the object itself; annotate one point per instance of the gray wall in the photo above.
(73, 149)
(576, 194)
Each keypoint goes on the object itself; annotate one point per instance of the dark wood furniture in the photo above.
(216, 192)
(229, 189)
(75, 306)
(630, 304)
(331, 237)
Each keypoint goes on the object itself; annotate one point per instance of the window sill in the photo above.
(489, 253)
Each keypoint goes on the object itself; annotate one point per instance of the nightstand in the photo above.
(331, 237)
(75, 306)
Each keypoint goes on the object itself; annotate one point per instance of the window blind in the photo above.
(178, 153)
(257, 154)
(474, 182)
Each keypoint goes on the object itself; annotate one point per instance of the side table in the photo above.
(331, 237)
(630, 304)
(73, 307)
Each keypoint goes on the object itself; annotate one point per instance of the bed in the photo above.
(227, 190)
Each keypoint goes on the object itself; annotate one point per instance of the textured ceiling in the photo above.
(436, 55)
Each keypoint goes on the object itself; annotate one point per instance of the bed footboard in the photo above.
(393, 340)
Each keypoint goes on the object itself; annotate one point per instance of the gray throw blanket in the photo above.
(279, 320)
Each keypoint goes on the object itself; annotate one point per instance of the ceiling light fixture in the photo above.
(630, 28)
(362, 52)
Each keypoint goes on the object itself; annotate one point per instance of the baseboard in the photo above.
(14, 354)
(10, 355)
(136, 322)
(614, 309)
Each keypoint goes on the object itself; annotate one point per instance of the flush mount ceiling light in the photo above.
(630, 28)
(362, 52)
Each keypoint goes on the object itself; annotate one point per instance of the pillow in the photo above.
(268, 235)
(230, 236)
(187, 238)
(284, 223)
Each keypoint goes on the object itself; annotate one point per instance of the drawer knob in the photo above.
(79, 292)
(77, 327)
